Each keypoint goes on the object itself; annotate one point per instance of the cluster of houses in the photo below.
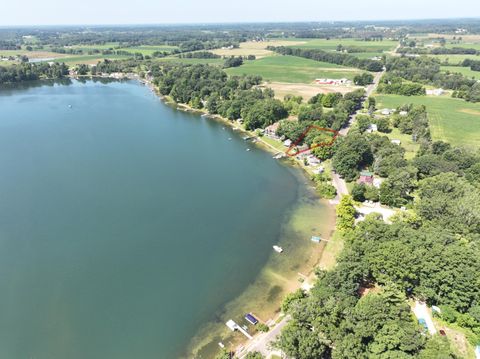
(335, 82)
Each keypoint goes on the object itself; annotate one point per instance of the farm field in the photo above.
(149, 50)
(375, 47)
(90, 59)
(257, 48)
(307, 91)
(452, 120)
(463, 70)
(31, 54)
(293, 69)
(218, 62)
(454, 59)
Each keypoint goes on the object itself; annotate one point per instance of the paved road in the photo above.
(262, 342)
(338, 182)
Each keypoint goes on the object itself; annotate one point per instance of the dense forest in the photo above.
(30, 72)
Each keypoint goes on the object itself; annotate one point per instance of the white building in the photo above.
(372, 128)
(435, 92)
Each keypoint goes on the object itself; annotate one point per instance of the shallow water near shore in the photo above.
(127, 227)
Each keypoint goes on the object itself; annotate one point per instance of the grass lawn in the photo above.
(452, 120)
(292, 69)
(406, 142)
(463, 70)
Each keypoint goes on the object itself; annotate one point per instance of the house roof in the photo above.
(366, 174)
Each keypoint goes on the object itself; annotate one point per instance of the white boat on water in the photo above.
(278, 249)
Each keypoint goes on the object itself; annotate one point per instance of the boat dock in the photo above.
(234, 326)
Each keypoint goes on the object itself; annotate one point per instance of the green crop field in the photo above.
(292, 69)
(452, 120)
(375, 47)
(463, 70)
(90, 59)
(149, 50)
(192, 61)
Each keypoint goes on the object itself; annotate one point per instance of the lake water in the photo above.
(125, 224)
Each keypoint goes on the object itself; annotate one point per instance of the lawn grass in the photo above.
(406, 142)
(452, 120)
(465, 71)
(292, 69)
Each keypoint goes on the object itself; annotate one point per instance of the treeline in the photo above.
(330, 57)
(32, 71)
(200, 55)
(390, 84)
(427, 71)
(438, 51)
(473, 64)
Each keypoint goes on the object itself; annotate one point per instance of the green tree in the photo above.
(345, 214)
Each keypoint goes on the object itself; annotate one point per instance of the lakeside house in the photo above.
(287, 142)
(366, 177)
(271, 131)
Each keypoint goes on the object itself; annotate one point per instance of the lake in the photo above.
(126, 225)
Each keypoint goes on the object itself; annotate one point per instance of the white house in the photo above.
(396, 142)
(387, 111)
(403, 113)
(287, 142)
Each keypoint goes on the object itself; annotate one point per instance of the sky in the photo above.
(61, 12)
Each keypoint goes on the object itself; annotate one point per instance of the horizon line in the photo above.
(203, 23)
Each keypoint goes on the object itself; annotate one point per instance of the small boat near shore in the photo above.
(278, 249)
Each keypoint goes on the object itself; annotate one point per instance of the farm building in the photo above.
(366, 177)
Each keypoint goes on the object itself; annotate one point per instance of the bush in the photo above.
(263, 327)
